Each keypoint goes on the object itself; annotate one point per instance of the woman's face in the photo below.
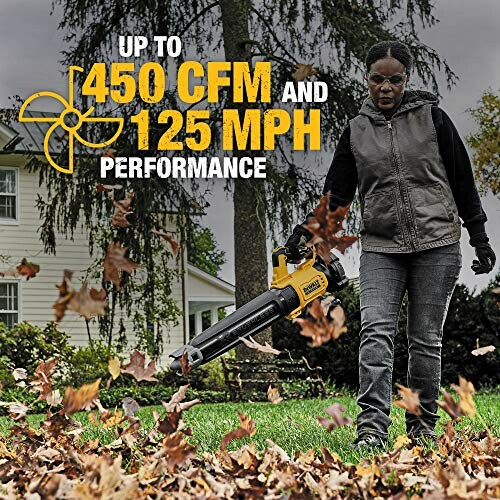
(386, 94)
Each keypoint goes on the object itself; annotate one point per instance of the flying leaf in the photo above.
(138, 369)
(483, 350)
(324, 227)
(130, 406)
(303, 71)
(252, 344)
(173, 244)
(42, 379)
(465, 390)
(273, 395)
(122, 209)
(449, 405)
(185, 365)
(115, 262)
(109, 153)
(335, 411)
(321, 329)
(25, 268)
(114, 367)
(107, 187)
(76, 400)
(19, 373)
(177, 404)
(409, 401)
(88, 303)
(247, 428)
(28, 269)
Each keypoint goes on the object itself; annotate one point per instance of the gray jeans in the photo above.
(429, 277)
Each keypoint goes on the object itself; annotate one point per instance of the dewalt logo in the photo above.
(311, 287)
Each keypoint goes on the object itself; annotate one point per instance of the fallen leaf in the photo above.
(480, 351)
(247, 428)
(335, 411)
(115, 262)
(42, 379)
(401, 441)
(273, 395)
(137, 367)
(449, 405)
(252, 344)
(76, 400)
(122, 209)
(303, 71)
(114, 367)
(173, 244)
(409, 401)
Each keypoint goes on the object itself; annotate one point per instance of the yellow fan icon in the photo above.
(70, 120)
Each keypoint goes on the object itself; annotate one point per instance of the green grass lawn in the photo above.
(291, 424)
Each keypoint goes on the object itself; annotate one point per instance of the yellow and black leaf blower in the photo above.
(288, 296)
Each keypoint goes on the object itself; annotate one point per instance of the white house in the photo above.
(195, 292)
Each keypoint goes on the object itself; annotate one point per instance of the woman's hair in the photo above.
(390, 48)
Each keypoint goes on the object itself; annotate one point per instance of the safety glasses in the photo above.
(377, 79)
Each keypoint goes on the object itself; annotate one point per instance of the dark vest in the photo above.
(406, 200)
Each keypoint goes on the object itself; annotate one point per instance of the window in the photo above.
(9, 303)
(8, 194)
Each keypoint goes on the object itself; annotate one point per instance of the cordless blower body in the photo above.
(288, 296)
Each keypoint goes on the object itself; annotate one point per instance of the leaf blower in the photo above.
(288, 296)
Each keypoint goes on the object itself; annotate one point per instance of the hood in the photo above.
(411, 99)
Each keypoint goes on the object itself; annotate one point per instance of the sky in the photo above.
(466, 36)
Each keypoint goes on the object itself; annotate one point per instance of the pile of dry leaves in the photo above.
(54, 461)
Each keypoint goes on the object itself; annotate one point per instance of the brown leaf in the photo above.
(66, 293)
(88, 303)
(324, 227)
(173, 244)
(17, 411)
(409, 401)
(185, 365)
(25, 268)
(169, 423)
(42, 380)
(320, 329)
(480, 351)
(252, 344)
(28, 269)
(273, 395)
(130, 406)
(76, 400)
(449, 406)
(107, 187)
(176, 403)
(465, 390)
(178, 450)
(122, 209)
(138, 369)
(114, 367)
(338, 420)
(247, 428)
(303, 71)
(109, 153)
(115, 262)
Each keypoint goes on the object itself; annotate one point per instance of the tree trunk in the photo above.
(250, 249)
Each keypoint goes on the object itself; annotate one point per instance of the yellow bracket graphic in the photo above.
(69, 126)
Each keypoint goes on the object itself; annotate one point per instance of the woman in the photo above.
(415, 180)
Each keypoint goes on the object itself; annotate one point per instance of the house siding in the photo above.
(38, 294)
